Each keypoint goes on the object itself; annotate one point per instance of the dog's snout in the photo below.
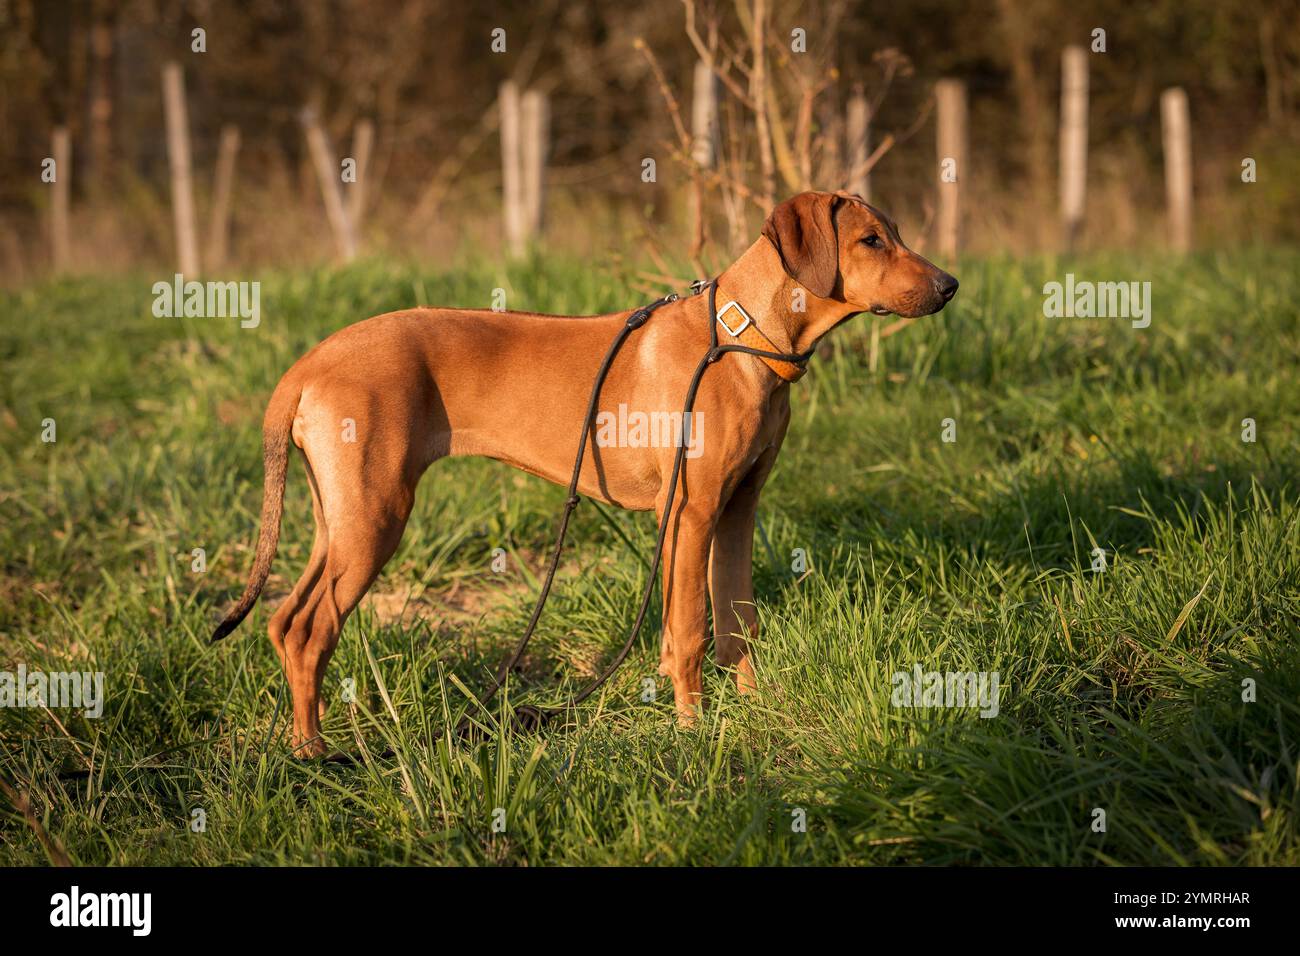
(946, 286)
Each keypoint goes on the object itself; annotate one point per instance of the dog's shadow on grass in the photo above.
(1047, 521)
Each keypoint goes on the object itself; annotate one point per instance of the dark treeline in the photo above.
(424, 72)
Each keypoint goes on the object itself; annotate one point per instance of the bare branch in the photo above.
(890, 141)
(682, 135)
(706, 52)
(426, 207)
(717, 178)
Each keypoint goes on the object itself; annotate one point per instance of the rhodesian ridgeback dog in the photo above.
(408, 388)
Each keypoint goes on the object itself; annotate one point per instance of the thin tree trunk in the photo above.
(758, 93)
(101, 96)
(511, 168)
(535, 120)
(1074, 141)
(1177, 135)
(1030, 104)
(328, 175)
(60, 246)
(859, 145)
(950, 97)
(219, 237)
(178, 156)
(363, 138)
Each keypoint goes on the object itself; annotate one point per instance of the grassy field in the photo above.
(1120, 691)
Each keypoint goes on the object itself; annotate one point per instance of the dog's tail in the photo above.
(275, 458)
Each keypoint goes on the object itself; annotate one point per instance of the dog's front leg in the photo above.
(685, 614)
(731, 575)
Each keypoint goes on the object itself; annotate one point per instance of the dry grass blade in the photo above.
(53, 848)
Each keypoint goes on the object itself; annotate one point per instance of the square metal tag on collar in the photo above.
(735, 333)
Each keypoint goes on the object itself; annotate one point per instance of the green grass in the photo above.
(1120, 691)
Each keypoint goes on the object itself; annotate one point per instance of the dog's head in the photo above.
(839, 248)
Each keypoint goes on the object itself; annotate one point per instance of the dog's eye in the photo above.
(874, 241)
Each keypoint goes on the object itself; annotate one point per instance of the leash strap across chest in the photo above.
(530, 717)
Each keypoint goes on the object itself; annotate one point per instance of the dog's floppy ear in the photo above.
(803, 231)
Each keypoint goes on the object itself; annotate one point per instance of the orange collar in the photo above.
(747, 333)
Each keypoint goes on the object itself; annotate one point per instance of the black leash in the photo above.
(528, 717)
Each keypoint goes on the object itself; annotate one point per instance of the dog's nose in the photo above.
(946, 285)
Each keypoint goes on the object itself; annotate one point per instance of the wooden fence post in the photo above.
(705, 146)
(178, 157)
(950, 102)
(512, 168)
(535, 126)
(363, 139)
(1074, 142)
(219, 236)
(1177, 135)
(858, 126)
(60, 245)
(704, 116)
(329, 176)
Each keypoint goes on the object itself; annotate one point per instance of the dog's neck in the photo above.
(759, 282)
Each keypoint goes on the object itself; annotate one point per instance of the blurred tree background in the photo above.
(424, 72)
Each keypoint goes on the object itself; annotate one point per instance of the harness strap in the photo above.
(530, 717)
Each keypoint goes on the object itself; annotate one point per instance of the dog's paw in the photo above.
(311, 750)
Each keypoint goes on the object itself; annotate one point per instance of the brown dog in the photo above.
(376, 403)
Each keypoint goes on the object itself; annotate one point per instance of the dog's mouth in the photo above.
(880, 310)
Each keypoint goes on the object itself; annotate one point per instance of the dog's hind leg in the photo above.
(360, 543)
(364, 491)
(284, 614)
